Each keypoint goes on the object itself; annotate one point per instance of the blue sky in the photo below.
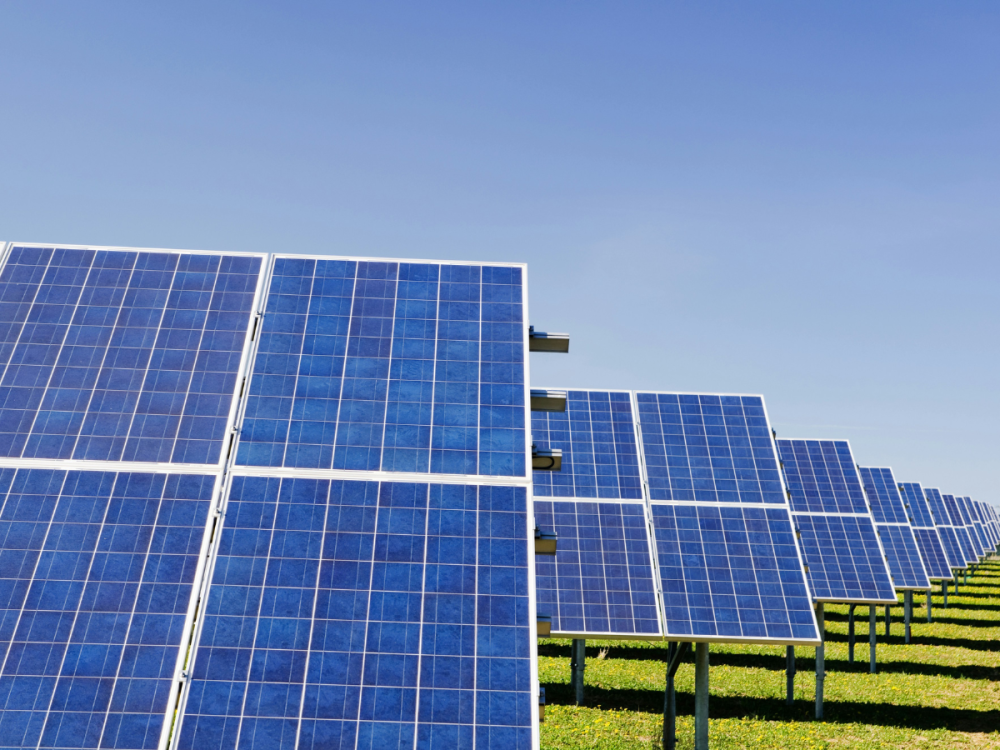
(794, 199)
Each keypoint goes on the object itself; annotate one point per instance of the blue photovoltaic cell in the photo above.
(731, 572)
(843, 557)
(901, 553)
(96, 572)
(913, 496)
(712, 448)
(596, 434)
(412, 367)
(932, 552)
(118, 355)
(883, 496)
(601, 577)
(953, 550)
(365, 614)
(938, 508)
(821, 476)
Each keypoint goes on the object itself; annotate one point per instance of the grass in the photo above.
(941, 690)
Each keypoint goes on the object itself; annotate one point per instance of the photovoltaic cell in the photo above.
(708, 448)
(368, 614)
(731, 572)
(600, 457)
(601, 579)
(821, 476)
(844, 558)
(384, 366)
(932, 549)
(883, 496)
(120, 355)
(933, 553)
(901, 552)
(96, 574)
(916, 503)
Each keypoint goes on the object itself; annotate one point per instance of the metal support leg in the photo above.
(871, 638)
(929, 606)
(956, 582)
(944, 593)
(820, 661)
(577, 664)
(907, 614)
(701, 696)
(675, 653)
(850, 634)
(790, 675)
(887, 610)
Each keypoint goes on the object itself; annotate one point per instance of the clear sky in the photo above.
(794, 199)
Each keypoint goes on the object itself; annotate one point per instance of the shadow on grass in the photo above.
(772, 709)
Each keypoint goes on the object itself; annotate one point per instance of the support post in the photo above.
(944, 593)
(701, 696)
(959, 575)
(850, 634)
(820, 661)
(675, 652)
(929, 606)
(887, 610)
(907, 614)
(577, 664)
(871, 638)
(790, 675)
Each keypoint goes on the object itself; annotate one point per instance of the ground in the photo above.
(941, 690)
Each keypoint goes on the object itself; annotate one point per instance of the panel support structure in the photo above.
(701, 696)
(577, 663)
(872, 616)
(675, 652)
(907, 614)
(790, 675)
(929, 606)
(820, 661)
(944, 593)
(850, 634)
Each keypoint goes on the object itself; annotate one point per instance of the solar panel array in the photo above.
(845, 559)
(932, 549)
(713, 539)
(310, 471)
(893, 525)
(946, 529)
(969, 550)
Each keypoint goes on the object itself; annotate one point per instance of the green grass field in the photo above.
(941, 690)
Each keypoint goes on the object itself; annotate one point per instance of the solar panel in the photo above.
(368, 614)
(840, 545)
(952, 547)
(929, 542)
(97, 571)
(601, 580)
(969, 548)
(121, 355)
(894, 530)
(732, 573)
(708, 448)
(728, 566)
(600, 455)
(389, 366)
(975, 524)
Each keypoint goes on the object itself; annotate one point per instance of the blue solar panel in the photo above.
(938, 508)
(821, 476)
(953, 550)
(965, 543)
(933, 553)
(974, 524)
(415, 367)
(731, 572)
(970, 546)
(601, 579)
(349, 613)
(708, 448)
(844, 558)
(916, 503)
(905, 565)
(97, 571)
(883, 496)
(120, 355)
(600, 457)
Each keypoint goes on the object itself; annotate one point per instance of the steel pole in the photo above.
(929, 606)
(701, 696)
(871, 638)
(907, 614)
(850, 634)
(820, 660)
(577, 665)
(790, 675)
